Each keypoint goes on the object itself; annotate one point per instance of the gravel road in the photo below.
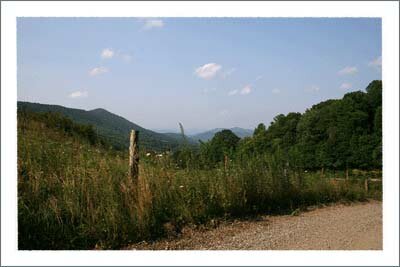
(338, 227)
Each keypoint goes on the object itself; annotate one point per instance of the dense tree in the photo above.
(223, 143)
(374, 91)
(64, 124)
(114, 128)
(260, 130)
(282, 131)
(259, 143)
(338, 134)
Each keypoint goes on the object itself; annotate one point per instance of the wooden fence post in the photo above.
(366, 185)
(134, 156)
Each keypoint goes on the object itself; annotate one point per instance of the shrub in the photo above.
(73, 194)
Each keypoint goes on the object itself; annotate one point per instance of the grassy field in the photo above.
(76, 195)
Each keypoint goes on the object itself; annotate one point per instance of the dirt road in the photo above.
(339, 227)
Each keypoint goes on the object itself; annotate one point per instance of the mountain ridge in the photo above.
(109, 125)
(116, 128)
(208, 135)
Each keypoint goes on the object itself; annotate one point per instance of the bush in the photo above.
(76, 195)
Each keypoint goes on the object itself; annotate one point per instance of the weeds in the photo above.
(74, 195)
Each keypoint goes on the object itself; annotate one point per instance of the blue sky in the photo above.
(203, 72)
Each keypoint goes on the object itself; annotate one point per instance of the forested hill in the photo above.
(108, 125)
(208, 135)
(337, 134)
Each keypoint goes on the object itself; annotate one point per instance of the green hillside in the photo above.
(110, 126)
(74, 191)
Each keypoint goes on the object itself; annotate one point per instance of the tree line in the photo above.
(334, 134)
(55, 120)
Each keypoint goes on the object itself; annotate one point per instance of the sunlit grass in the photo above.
(73, 195)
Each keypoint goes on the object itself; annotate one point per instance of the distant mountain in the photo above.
(163, 130)
(241, 132)
(110, 126)
(178, 137)
(205, 136)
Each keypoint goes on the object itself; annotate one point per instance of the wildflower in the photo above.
(181, 186)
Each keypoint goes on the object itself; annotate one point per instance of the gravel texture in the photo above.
(357, 226)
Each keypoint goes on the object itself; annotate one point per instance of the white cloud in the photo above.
(98, 71)
(208, 71)
(312, 89)
(258, 78)
(107, 53)
(153, 23)
(227, 73)
(348, 70)
(345, 86)
(233, 92)
(78, 94)
(245, 90)
(376, 63)
(276, 91)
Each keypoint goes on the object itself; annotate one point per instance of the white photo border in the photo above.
(388, 11)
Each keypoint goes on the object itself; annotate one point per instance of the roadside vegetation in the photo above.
(74, 191)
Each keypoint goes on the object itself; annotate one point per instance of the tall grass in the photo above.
(73, 195)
